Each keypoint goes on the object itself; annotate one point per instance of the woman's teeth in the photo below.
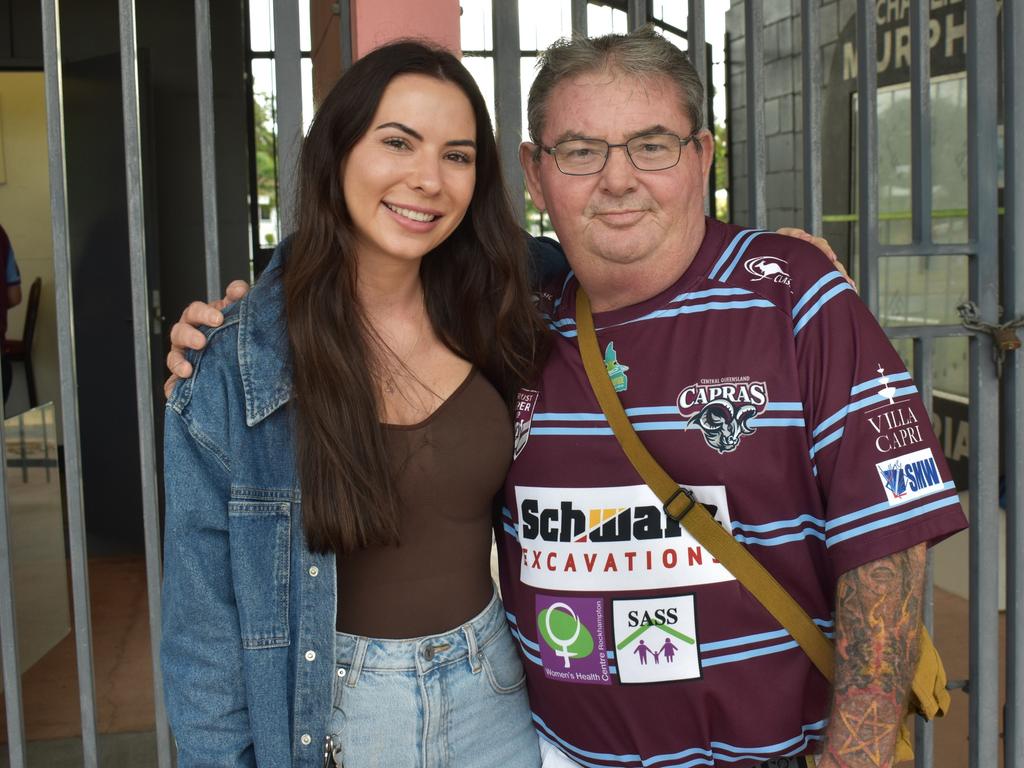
(410, 214)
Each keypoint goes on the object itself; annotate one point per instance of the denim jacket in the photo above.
(248, 610)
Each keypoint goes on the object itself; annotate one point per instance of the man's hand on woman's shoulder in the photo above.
(185, 333)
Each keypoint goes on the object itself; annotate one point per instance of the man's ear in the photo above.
(529, 158)
(707, 152)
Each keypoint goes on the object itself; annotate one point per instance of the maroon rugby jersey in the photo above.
(760, 381)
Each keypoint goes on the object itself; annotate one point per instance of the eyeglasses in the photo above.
(649, 152)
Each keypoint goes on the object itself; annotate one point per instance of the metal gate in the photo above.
(987, 262)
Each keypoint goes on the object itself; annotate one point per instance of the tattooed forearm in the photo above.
(878, 610)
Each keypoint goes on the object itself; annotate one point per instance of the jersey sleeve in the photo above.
(13, 276)
(879, 466)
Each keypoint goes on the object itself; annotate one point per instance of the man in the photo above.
(759, 381)
(10, 296)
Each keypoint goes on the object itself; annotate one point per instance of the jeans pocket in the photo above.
(502, 663)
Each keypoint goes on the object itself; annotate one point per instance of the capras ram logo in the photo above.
(723, 409)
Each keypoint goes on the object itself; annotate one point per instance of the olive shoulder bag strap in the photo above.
(929, 697)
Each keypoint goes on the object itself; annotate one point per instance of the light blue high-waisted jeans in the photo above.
(456, 700)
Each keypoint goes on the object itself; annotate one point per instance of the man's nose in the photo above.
(619, 174)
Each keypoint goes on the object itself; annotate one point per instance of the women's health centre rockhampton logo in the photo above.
(573, 634)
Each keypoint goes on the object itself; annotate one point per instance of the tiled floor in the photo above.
(124, 695)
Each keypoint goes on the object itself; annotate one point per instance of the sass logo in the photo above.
(656, 639)
(616, 371)
(767, 268)
(574, 648)
(723, 408)
(910, 476)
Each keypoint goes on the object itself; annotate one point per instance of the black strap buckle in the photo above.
(688, 494)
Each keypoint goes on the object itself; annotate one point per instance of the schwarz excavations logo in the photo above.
(723, 408)
(767, 268)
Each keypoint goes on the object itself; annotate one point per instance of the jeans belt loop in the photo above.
(474, 651)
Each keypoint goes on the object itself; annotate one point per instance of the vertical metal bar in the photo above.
(920, 123)
(811, 96)
(757, 169)
(46, 443)
(983, 224)
(22, 447)
(1013, 381)
(924, 746)
(345, 33)
(143, 362)
(579, 17)
(867, 134)
(8, 622)
(207, 152)
(637, 14)
(695, 47)
(68, 379)
(508, 108)
(288, 108)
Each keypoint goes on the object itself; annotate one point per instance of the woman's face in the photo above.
(409, 180)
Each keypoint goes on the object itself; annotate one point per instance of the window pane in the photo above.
(949, 159)
(482, 70)
(602, 20)
(541, 22)
(305, 40)
(265, 143)
(921, 290)
(261, 25)
(308, 107)
(476, 25)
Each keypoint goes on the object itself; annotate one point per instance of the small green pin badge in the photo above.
(616, 371)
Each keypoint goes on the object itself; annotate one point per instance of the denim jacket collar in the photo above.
(263, 353)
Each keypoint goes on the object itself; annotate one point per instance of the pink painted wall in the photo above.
(376, 22)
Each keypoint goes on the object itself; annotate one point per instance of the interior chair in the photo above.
(20, 350)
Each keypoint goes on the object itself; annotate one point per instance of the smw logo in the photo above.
(910, 476)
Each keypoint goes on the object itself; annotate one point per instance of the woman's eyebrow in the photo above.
(419, 137)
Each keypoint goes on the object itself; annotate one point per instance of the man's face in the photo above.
(621, 215)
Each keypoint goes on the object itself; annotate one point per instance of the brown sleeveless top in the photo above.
(449, 468)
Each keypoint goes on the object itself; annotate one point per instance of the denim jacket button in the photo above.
(310, 655)
(314, 571)
(306, 739)
(341, 672)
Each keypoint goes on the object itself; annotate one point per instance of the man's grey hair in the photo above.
(642, 53)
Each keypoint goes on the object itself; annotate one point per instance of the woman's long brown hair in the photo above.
(475, 288)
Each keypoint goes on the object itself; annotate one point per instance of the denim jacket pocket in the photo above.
(260, 536)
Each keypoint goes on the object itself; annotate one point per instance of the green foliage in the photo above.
(266, 148)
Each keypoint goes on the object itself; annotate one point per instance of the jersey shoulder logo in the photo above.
(723, 409)
(767, 268)
(616, 371)
(526, 403)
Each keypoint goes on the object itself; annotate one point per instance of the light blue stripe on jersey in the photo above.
(760, 421)
(729, 249)
(797, 406)
(558, 300)
(860, 514)
(872, 383)
(714, 661)
(732, 265)
(859, 404)
(734, 642)
(825, 441)
(894, 520)
(822, 281)
(819, 304)
(778, 524)
(690, 296)
(510, 530)
(775, 541)
(700, 756)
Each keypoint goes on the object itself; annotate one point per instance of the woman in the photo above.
(351, 415)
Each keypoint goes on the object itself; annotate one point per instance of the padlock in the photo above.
(1006, 339)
